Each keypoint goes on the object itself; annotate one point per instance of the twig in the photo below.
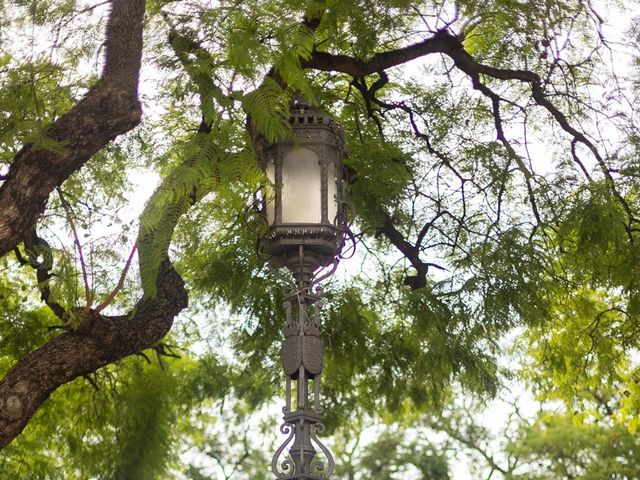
(107, 301)
(76, 241)
(34, 248)
(93, 383)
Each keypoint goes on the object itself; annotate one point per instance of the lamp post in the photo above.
(306, 234)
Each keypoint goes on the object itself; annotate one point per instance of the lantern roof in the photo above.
(303, 116)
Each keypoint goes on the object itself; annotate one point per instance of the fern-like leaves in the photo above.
(268, 109)
(206, 168)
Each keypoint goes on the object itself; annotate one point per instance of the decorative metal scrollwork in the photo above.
(287, 468)
(301, 460)
(317, 465)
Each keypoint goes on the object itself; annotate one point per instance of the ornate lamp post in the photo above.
(306, 233)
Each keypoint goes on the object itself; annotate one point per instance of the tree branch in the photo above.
(36, 247)
(469, 442)
(109, 109)
(88, 293)
(411, 252)
(441, 42)
(100, 340)
(123, 276)
(448, 44)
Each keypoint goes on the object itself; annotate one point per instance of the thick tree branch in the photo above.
(124, 45)
(439, 43)
(100, 340)
(109, 109)
(442, 42)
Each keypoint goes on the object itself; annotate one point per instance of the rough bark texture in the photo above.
(108, 110)
(100, 340)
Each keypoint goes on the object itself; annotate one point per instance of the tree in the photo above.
(493, 164)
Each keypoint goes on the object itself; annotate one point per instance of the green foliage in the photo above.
(32, 96)
(296, 47)
(126, 422)
(596, 240)
(268, 109)
(388, 458)
(23, 326)
(145, 425)
(382, 173)
(558, 448)
(363, 26)
(584, 350)
(113, 410)
(203, 169)
(530, 259)
(508, 31)
(42, 12)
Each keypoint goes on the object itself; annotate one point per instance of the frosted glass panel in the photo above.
(301, 187)
(332, 194)
(270, 193)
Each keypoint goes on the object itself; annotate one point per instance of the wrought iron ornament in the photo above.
(307, 458)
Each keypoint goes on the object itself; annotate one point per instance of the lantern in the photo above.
(305, 213)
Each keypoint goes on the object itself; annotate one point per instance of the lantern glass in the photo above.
(302, 189)
(305, 200)
(301, 182)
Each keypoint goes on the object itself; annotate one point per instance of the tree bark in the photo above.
(109, 109)
(100, 340)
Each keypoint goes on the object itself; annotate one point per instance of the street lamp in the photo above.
(307, 225)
